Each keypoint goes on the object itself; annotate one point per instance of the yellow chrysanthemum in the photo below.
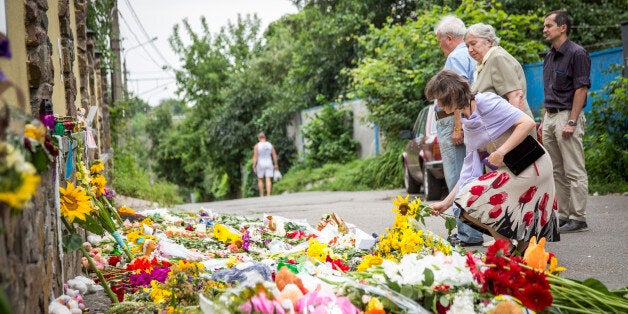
(18, 197)
(124, 210)
(157, 294)
(74, 202)
(226, 235)
(368, 261)
(553, 268)
(96, 167)
(35, 132)
(374, 304)
(317, 250)
(99, 182)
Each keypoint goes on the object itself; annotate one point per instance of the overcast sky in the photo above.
(142, 20)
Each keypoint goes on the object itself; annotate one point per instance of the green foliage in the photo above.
(329, 137)
(606, 138)
(381, 172)
(596, 24)
(99, 21)
(132, 180)
(398, 59)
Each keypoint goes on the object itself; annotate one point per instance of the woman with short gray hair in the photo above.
(497, 70)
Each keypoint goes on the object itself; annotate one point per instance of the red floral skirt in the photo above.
(517, 207)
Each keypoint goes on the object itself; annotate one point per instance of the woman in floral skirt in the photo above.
(496, 202)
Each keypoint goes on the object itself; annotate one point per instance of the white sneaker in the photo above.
(488, 243)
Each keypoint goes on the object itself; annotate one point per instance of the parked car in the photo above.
(421, 157)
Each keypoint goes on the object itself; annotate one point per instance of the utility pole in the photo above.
(116, 74)
(126, 51)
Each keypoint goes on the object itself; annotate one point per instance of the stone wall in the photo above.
(33, 266)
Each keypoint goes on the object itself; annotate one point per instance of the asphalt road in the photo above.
(600, 253)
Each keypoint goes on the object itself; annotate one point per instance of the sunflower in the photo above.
(74, 202)
(402, 204)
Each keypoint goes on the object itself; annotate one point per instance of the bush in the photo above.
(133, 181)
(329, 137)
(606, 138)
(381, 172)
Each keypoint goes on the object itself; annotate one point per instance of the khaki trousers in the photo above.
(570, 175)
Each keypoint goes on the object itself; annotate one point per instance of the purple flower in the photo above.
(246, 240)
(5, 50)
(48, 121)
(160, 274)
(3, 77)
(109, 192)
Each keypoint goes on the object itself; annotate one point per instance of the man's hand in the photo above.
(568, 131)
(438, 208)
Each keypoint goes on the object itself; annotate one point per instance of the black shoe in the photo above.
(454, 241)
(574, 226)
(453, 236)
(561, 222)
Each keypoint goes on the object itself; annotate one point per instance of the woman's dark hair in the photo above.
(450, 89)
(261, 135)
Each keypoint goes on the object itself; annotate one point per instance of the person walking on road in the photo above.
(264, 163)
(450, 33)
(566, 80)
(499, 203)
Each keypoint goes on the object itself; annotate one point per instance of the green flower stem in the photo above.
(103, 282)
(114, 211)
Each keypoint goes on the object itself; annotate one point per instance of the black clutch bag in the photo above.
(522, 156)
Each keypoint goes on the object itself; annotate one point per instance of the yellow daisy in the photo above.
(74, 202)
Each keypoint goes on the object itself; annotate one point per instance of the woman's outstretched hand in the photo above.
(438, 208)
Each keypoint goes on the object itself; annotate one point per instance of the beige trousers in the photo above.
(570, 175)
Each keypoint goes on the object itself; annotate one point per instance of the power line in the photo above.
(139, 41)
(141, 27)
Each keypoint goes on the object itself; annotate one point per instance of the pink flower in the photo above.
(261, 304)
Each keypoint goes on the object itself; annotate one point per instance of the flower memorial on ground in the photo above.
(212, 263)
